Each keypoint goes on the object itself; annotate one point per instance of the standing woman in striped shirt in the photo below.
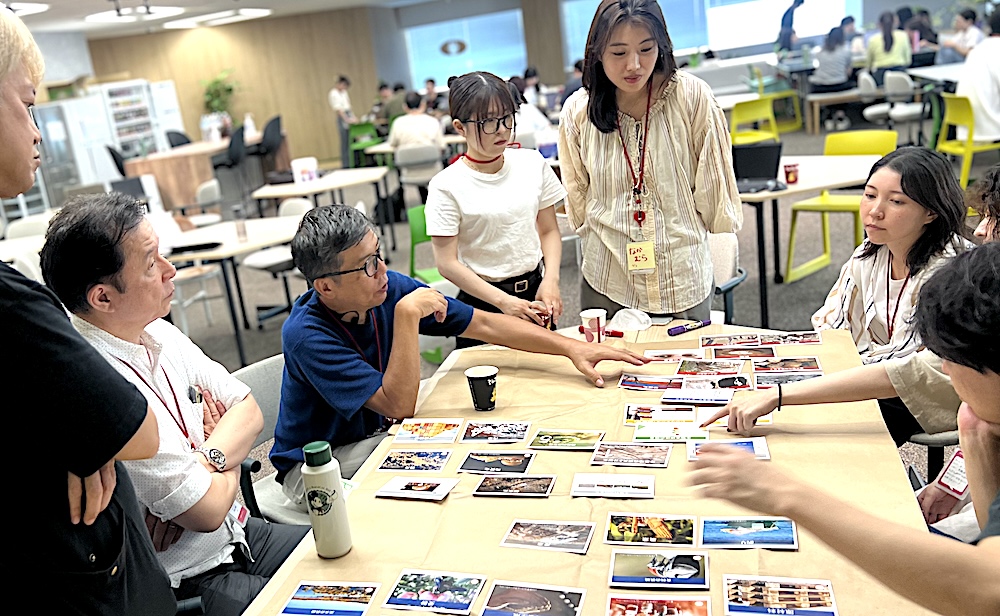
(647, 162)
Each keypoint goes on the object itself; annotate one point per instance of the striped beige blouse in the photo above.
(690, 190)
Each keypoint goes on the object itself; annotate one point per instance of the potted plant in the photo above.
(218, 95)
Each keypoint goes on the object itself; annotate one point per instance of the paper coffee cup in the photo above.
(483, 386)
(594, 321)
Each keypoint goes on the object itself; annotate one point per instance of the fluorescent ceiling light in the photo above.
(218, 19)
(27, 8)
(130, 15)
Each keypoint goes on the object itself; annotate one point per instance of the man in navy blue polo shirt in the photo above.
(351, 352)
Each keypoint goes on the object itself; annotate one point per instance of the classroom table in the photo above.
(334, 182)
(728, 101)
(816, 173)
(384, 148)
(941, 73)
(845, 450)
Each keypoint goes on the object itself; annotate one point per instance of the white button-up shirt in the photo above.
(173, 480)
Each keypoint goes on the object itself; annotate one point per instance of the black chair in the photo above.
(266, 152)
(176, 138)
(233, 159)
(118, 158)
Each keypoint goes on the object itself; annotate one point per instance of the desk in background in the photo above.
(843, 449)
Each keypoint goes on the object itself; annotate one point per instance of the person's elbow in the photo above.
(254, 417)
(145, 442)
(202, 519)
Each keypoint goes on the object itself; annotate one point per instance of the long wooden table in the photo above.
(844, 449)
(816, 174)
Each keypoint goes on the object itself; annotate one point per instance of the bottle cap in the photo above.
(317, 453)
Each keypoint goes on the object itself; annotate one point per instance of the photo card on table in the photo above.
(507, 598)
(633, 605)
(607, 485)
(427, 431)
(769, 532)
(673, 356)
(424, 488)
(553, 535)
(444, 592)
(654, 455)
(417, 460)
(709, 367)
(531, 486)
(649, 382)
(342, 598)
(652, 529)
(756, 445)
(497, 462)
(658, 569)
(698, 397)
(786, 364)
(769, 380)
(735, 381)
(755, 594)
(635, 413)
(741, 352)
(495, 431)
(729, 340)
(668, 432)
(810, 337)
(572, 440)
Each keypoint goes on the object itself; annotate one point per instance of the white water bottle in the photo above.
(324, 491)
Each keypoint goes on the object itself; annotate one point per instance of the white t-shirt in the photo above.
(530, 119)
(340, 100)
(980, 82)
(969, 38)
(493, 215)
(416, 129)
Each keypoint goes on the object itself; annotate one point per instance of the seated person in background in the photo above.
(967, 35)
(396, 105)
(532, 91)
(417, 128)
(852, 38)
(575, 82)
(957, 318)
(101, 257)
(926, 36)
(528, 119)
(916, 380)
(436, 104)
(979, 81)
(379, 111)
(833, 74)
(352, 361)
(914, 215)
(889, 52)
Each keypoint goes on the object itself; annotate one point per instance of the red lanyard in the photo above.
(357, 347)
(637, 180)
(892, 319)
(179, 418)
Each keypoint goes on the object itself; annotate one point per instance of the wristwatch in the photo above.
(215, 457)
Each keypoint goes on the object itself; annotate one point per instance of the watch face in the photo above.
(216, 457)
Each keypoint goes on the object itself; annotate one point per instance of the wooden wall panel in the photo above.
(284, 66)
(544, 40)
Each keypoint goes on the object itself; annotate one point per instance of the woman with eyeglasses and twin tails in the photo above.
(491, 214)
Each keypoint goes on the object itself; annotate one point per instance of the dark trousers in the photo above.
(533, 280)
(899, 420)
(228, 589)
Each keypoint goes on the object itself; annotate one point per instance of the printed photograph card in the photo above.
(730, 340)
(651, 529)
(573, 440)
(341, 598)
(444, 592)
(757, 445)
(744, 352)
(754, 594)
(429, 488)
(606, 485)
(709, 367)
(769, 380)
(769, 532)
(497, 462)
(735, 381)
(658, 570)
(649, 382)
(634, 605)
(786, 364)
(658, 412)
(667, 432)
(655, 455)
(551, 535)
(427, 431)
(523, 598)
(537, 486)
(698, 397)
(809, 337)
(495, 431)
(673, 356)
(421, 460)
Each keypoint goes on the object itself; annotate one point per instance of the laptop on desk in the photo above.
(756, 167)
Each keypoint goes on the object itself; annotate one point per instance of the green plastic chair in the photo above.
(418, 235)
(361, 135)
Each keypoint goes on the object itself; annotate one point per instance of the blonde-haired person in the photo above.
(647, 163)
(92, 546)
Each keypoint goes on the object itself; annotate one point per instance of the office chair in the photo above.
(118, 158)
(176, 138)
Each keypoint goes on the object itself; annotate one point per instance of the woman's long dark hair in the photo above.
(834, 39)
(603, 107)
(887, 21)
(926, 177)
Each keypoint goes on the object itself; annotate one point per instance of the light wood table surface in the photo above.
(385, 148)
(844, 449)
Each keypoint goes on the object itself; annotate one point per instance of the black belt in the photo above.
(520, 284)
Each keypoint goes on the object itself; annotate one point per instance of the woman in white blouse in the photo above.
(647, 162)
(914, 216)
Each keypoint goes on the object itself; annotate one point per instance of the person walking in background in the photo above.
(491, 214)
(979, 80)
(889, 52)
(647, 163)
(340, 102)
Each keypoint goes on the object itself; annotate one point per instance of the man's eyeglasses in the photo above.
(31, 114)
(370, 267)
(491, 126)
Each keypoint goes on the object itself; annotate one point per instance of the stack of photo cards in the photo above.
(495, 431)
(658, 570)
(649, 382)
(341, 598)
(668, 432)
(633, 605)
(653, 455)
(673, 356)
(757, 445)
(536, 486)
(770, 532)
(753, 594)
(786, 364)
(707, 367)
(604, 485)
(741, 352)
(652, 529)
(810, 337)
(571, 440)
(433, 489)
(635, 413)
(419, 460)
(552, 535)
(444, 592)
(426, 431)
(729, 340)
(523, 598)
(499, 462)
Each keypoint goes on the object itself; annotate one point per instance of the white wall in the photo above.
(66, 55)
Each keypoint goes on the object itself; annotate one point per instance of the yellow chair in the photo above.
(784, 126)
(856, 142)
(758, 112)
(958, 113)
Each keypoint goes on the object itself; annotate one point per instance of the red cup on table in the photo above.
(791, 174)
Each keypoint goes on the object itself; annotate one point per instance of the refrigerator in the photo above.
(166, 111)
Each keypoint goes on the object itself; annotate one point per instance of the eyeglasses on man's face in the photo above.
(370, 266)
(491, 126)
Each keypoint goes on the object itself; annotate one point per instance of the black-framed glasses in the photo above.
(370, 267)
(491, 126)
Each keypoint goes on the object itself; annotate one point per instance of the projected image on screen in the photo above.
(729, 21)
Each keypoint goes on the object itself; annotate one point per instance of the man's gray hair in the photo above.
(323, 234)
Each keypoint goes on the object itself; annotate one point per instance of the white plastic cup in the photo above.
(305, 169)
(594, 322)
